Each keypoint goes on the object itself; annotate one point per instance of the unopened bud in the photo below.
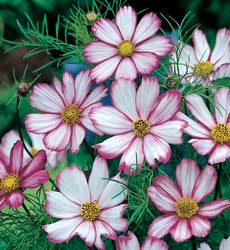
(91, 16)
(172, 81)
(23, 88)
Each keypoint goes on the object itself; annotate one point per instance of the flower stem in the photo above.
(89, 149)
(217, 189)
(26, 210)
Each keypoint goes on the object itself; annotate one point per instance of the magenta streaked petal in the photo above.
(3, 199)
(77, 136)
(187, 173)
(98, 177)
(58, 206)
(222, 71)
(147, 27)
(68, 88)
(114, 146)
(180, 231)
(126, 69)
(15, 199)
(46, 98)
(145, 62)
(200, 227)
(42, 123)
(198, 108)
(58, 86)
(3, 169)
(76, 191)
(59, 138)
(220, 153)
(62, 230)
(159, 45)
(162, 225)
(16, 157)
(203, 146)
(104, 70)
(127, 242)
(147, 95)
(153, 243)
(213, 208)
(107, 31)
(205, 183)
(166, 107)
(34, 180)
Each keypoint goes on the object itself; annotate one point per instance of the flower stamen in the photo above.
(141, 127)
(204, 68)
(90, 210)
(186, 207)
(9, 183)
(71, 114)
(220, 133)
(126, 48)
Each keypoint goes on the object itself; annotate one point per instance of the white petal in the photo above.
(181, 231)
(77, 136)
(126, 243)
(220, 153)
(126, 69)
(202, 146)
(222, 71)
(200, 227)
(68, 87)
(225, 244)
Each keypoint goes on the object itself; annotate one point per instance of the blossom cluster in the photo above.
(140, 127)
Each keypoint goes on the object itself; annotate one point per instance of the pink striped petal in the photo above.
(114, 146)
(222, 105)
(16, 157)
(213, 208)
(145, 62)
(104, 70)
(201, 45)
(58, 139)
(3, 169)
(205, 183)
(106, 31)
(126, 69)
(15, 199)
(203, 146)
(147, 27)
(3, 201)
(187, 173)
(58, 206)
(68, 88)
(162, 225)
(129, 242)
(46, 98)
(123, 95)
(110, 121)
(153, 243)
(200, 227)
(180, 231)
(35, 179)
(42, 123)
(62, 230)
(199, 109)
(77, 137)
(126, 20)
(166, 107)
(96, 52)
(222, 71)
(156, 148)
(113, 217)
(58, 87)
(159, 45)
(72, 183)
(147, 95)
(98, 178)
(220, 153)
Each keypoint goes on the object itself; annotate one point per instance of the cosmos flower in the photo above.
(141, 122)
(66, 108)
(183, 216)
(14, 177)
(125, 48)
(200, 64)
(224, 245)
(131, 243)
(9, 139)
(211, 134)
(87, 209)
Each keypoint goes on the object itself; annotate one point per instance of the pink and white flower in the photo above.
(131, 243)
(224, 245)
(141, 122)
(14, 177)
(66, 108)
(87, 209)
(125, 48)
(183, 216)
(211, 134)
(200, 64)
(9, 139)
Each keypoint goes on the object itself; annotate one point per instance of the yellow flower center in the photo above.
(34, 151)
(204, 68)
(90, 210)
(186, 208)
(141, 127)
(9, 183)
(71, 114)
(126, 48)
(91, 16)
(220, 133)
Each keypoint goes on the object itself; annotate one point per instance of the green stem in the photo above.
(89, 148)
(217, 189)
(53, 183)
(27, 210)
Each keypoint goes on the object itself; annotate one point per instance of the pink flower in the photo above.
(9, 139)
(183, 216)
(212, 134)
(131, 243)
(15, 177)
(199, 64)
(125, 48)
(66, 108)
(87, 209)
(224, 245)
(141, 122)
